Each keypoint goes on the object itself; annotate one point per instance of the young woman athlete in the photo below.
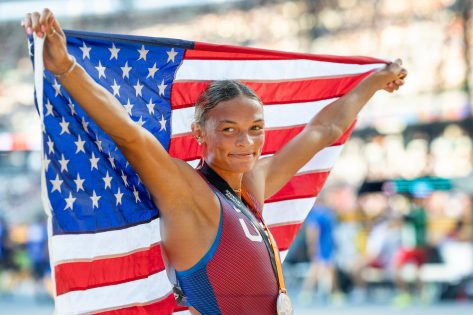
(221, 263)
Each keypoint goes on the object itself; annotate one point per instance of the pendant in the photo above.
(284, 305)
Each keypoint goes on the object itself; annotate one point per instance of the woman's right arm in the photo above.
(160, 173)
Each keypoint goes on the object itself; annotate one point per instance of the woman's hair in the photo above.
(220, 91)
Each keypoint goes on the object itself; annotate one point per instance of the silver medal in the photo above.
(284, 305)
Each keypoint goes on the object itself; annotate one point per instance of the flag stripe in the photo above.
(294, 210)
(140, 291)
(285, 234)
(185, 94)
(70, 247)
(206, 70)
(159, 307)
(301, 186)
(206, 50)
(106, 271)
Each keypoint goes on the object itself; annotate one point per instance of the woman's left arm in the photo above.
(325, 128)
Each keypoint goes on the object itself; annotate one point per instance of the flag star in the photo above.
(49, 108)
(56, 184)
(136, 194)
(128, 106)
(108, 181)
(30, 48)
(152, 71)
(126, 70)
(64, 126)
(99, 144)
(111, 159)
(95, 200)
(162, 88)
(138, 87)
(85, 125)
(139, 179)
(70, 202)
(126, 164)
(150, 106)
(57, 88)
(101, 70)
(94, 162)
(116, 88)
(63, 163)
(46, 162)
(85, 51)
(143, 52)
(80, 145)
(114, 52)
(118, 196)
(71, 107)
(124, 179)
(140, 122)
(162, 123)
(50, 145)
(79, 183)
(171, 54)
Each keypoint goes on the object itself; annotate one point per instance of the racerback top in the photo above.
(235, 276)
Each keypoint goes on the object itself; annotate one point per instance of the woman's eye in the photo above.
(256, 128)
(228, 129)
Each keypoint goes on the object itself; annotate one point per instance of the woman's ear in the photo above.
(197, 132)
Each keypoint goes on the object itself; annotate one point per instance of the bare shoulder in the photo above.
(200, 194)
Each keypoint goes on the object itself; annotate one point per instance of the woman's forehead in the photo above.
(238, 109)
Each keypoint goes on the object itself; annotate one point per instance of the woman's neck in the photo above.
(233, 179)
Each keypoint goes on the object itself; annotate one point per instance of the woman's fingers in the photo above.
(35, 25)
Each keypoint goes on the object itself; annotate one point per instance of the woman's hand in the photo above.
(391, 77)
(56, 58)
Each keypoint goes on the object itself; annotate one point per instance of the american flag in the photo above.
(104, 228)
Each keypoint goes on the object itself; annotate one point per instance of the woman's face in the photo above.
(233, 135)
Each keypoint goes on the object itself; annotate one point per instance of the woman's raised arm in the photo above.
(325, 128)
(159, 172)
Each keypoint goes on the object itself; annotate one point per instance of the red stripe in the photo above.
(165, 306)
(185, 94)
(301, 186)
(213, 51)
(185, 146)
(107, 271)
(285, 234)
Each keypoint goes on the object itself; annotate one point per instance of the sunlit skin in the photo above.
(231, 139)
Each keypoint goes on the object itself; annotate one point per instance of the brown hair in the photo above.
(220, 91)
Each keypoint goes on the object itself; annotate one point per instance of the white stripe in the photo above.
(183, 312)
(324, 160)
(283, 254)
(113, 296)
(88, 246)
(275, 116)
(267, 70)
(286, 211)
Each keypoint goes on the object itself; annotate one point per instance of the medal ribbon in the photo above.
(251, 206)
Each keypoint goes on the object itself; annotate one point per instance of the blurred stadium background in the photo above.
(415, 146)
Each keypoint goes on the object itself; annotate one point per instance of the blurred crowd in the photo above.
(378, 245)
(357, 245)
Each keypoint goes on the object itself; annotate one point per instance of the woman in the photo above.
(222, 264)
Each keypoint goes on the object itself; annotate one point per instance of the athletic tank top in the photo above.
(235, 276)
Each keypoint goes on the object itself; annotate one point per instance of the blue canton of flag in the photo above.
(90, 185)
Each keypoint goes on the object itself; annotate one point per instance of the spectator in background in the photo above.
(413, 248)
(37, 250)
(321, 275)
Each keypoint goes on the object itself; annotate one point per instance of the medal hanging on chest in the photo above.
(283, 303)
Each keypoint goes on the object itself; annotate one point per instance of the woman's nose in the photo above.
(244, 139)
